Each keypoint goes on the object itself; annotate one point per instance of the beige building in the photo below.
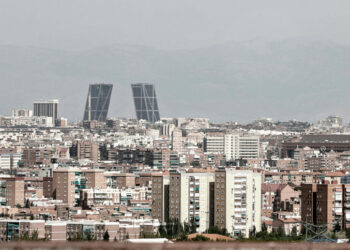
(15, 191)
(176, 140)
(189, 196)
(120, 180)
(14, 229)
(88, 150)
(237, 201)
(94, 178)
(56, 230)
(63, 185)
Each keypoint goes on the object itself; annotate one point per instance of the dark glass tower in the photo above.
(145, 101)
(97, 103)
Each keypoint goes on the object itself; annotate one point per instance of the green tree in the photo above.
(106, 236)
(35, 235)
(200, 238)
(280, 232)
(162, 231)
(193, 226)
(195, 164)
(337, 227)
(27, 204)
(294, 232)
(89, 236)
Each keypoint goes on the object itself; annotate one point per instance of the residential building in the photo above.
(63, 186)
(238, 201)
(88, 150)
(190, 198)
(15, 191)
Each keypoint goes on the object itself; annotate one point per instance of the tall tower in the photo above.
(145, 101)
(97, 103)
(48, 108)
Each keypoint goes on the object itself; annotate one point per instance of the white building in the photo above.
(8, 161)
(241, 147)
(214, 143)
(189, 196)
(112, 196)
(237, 201)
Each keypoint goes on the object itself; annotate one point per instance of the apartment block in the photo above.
(9, 161)
(234, 146)
(189, 195)
(160, 197)
(237, 201)
(63, 185)
(14, 191)
(120, 180)
(94, 178)
(214, 143)
(47, 187)
(13, 229)
(112, 196)
(176, 140)
(88, 150)
(326, 204)
(241, 147)
(56, 230)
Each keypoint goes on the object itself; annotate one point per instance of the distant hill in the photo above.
(238, 81)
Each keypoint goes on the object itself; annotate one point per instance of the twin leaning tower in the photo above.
(99, 96)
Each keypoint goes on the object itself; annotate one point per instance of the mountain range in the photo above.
(235, 81)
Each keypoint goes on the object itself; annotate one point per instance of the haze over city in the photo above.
(229, 61)
(162, 124)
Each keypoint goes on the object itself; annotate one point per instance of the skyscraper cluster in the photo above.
(99, 96)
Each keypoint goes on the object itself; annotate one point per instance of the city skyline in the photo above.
(201, 123)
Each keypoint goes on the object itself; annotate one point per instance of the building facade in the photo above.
(97, 103)
(145, 101)
(47, 108)
(237, 201)
(189, 195)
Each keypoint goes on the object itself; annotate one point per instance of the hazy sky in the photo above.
(88, 30)
(168, 24)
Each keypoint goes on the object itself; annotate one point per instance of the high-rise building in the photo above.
(97, 103)
(15, 191)
(95, 178)
(237, 201)
(241, 147)
(234, 146)
(326, 204)
(160, 197)
(176, 140)
(47, 108)
(190, 199)
(63, 185)
(145, 101)
(214, 143)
